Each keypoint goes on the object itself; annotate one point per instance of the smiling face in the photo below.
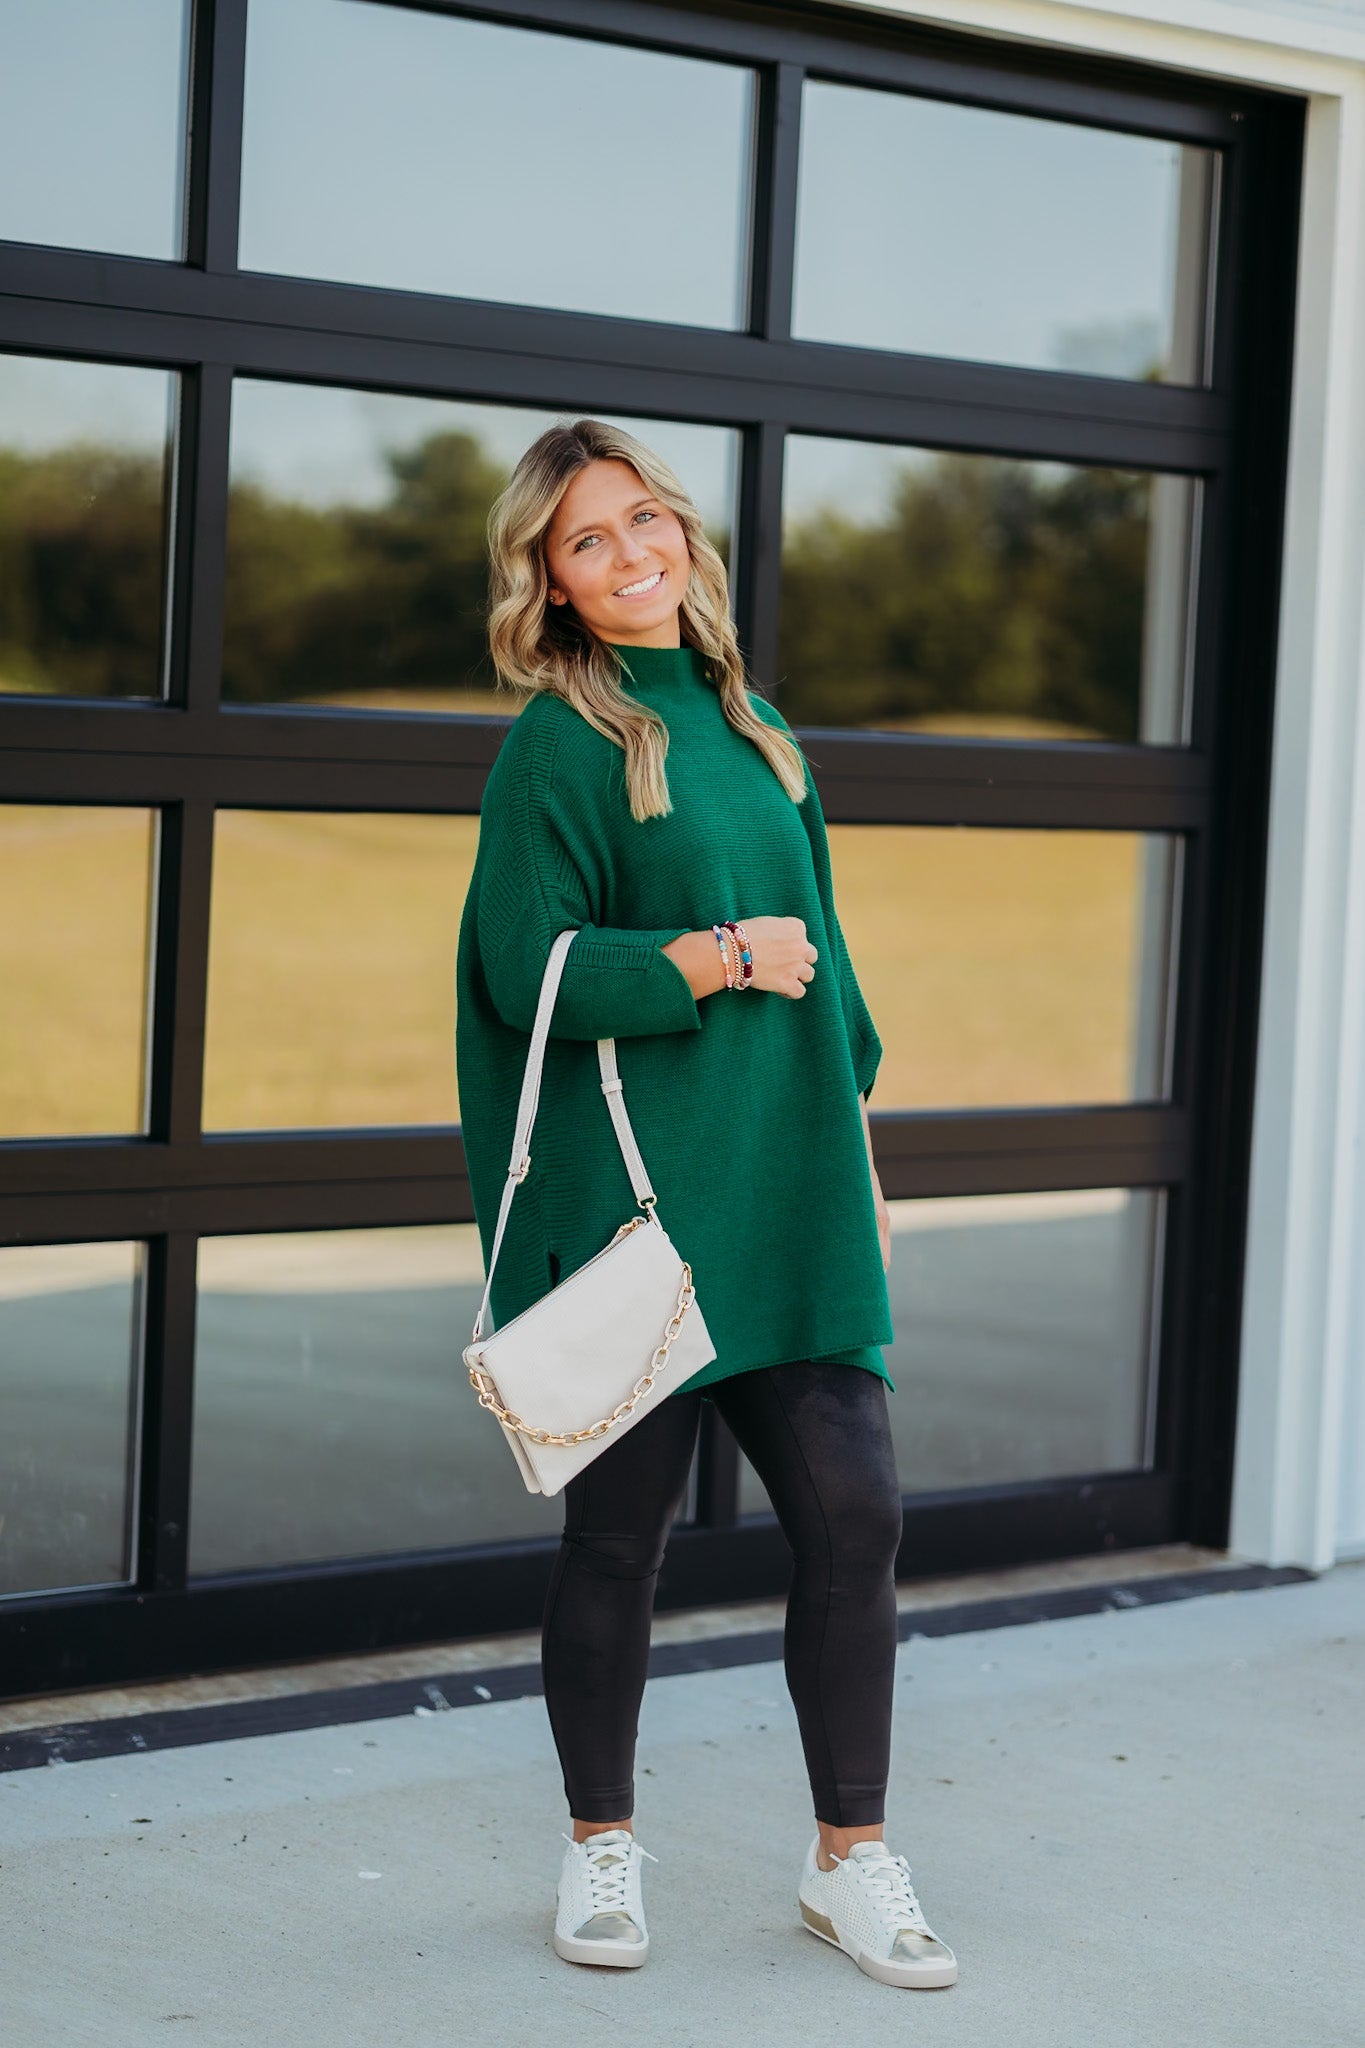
(619, 556)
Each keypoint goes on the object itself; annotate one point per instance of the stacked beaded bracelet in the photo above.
(734, 951)
(729, 953)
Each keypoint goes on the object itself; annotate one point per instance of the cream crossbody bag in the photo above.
(592, 1356)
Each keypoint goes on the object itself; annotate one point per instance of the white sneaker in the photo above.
(867, 1906)
(600, 1916)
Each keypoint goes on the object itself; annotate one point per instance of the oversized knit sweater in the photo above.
(744, 1105)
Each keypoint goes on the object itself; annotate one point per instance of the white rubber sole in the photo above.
(906, 1976)
(612, 1955)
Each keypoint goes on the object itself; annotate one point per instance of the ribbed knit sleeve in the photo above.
(539, 844)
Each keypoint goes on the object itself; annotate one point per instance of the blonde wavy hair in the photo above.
(537, 646)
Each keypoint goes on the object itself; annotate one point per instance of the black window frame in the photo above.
(185, 757)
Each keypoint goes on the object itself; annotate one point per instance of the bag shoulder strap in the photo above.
(612, 1087)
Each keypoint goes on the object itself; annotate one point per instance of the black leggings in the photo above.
(819, 1438)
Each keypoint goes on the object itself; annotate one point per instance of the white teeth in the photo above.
(634, 589)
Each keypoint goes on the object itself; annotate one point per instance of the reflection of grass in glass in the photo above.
(999, 966)
(332, 969)
(982, 725)
(74, 895)
(985, 586)
(488, 703)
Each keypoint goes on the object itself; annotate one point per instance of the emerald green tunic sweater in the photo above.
(745, 1106)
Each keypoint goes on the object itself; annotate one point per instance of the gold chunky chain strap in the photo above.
(487, 1393)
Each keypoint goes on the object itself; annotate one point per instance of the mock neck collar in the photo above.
(653, 665)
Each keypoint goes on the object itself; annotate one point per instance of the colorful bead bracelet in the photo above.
(734, 951)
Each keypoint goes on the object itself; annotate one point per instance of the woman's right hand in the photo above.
(783, 957)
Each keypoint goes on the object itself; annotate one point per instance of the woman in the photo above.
(610, 607)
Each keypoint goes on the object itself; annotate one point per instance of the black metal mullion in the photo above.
(231, 1209)
(167, 1415)
(760, 551)
(756, 567)
(217, 81)
(179, 991)
(989, 1152)
(774, 251)
(302, 329)
(198, 556)
(130, 1166)
(1109, 790)
(124, 1188)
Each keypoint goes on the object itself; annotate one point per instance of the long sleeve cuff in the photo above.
(615, 984)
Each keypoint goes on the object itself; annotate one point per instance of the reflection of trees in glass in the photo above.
(363, 597)
(990, 588)
(82, 571)
(353, 601)
(322, 602)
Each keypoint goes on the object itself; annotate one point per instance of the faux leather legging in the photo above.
(819, 1437)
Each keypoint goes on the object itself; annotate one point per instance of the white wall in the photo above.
(1299, 1484)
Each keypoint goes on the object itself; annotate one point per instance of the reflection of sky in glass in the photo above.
(92, 115)
(322, 446)
(857, 479)
(981, 234)
(47, 403)
(962, 231)
(418, 152)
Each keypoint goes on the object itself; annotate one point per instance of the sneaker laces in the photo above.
(888, 1881)
(608, 1866)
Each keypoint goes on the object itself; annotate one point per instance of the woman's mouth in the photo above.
(644, 588)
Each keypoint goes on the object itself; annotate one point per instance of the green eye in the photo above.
(643, 513)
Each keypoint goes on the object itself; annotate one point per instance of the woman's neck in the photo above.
(667, 634)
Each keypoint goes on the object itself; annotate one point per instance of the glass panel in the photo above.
(429, 153)
(92, 124)
(85, 466)
(332, 1413)
(1026, 1332)
(357, 559)
(1004, 968)
(962, 231)
(76, 921)
(331, 993)
(984, 597)
(70, 1336)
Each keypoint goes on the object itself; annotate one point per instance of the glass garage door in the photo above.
(976, 367)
